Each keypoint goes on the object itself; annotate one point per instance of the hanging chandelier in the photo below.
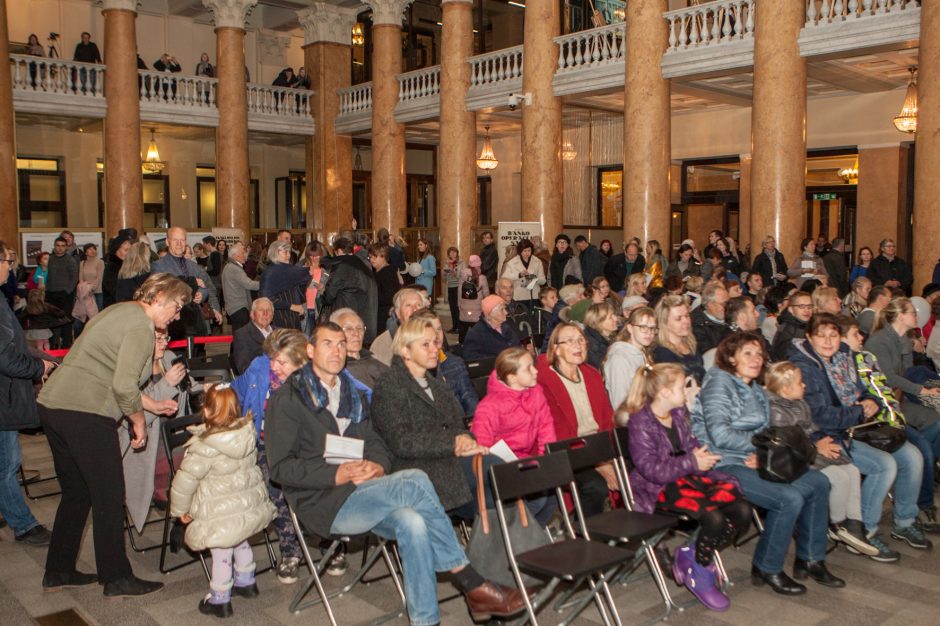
(850, 174)
(568, 153)
(906, 121)
(487, 159)
(152, 163)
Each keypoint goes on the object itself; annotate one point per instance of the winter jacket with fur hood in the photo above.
(220, 485)
(520, 417)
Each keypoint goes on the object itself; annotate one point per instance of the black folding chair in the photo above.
(318, 567)
(640, 532)
(572, 559)
(31, 477)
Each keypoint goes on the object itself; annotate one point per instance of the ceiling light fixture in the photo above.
(906, 121)
(358, 38)
(850, 174)
(487, 159)
(152, 164)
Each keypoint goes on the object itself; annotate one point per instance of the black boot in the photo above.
(218, 610)
(817, 571)
(779, 582)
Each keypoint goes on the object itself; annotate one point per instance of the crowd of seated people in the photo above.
(694, 361)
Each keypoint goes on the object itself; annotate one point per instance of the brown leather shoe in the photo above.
(492, 599)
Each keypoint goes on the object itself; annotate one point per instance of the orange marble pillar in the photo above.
(232, 178)
(744, 207)
(882, 194)
(9, 211)
(457, 197)
(123, 184)
(778, 129)
(327, 57)
(389, 195)
(542, 188)
(647, 125)
(927, 153)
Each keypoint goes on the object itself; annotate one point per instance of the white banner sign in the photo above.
(509, 233)
(35, 242)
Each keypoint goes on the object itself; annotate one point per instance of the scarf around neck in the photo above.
(316, 396)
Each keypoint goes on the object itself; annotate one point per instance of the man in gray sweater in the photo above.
(237, 287)
(61, 281)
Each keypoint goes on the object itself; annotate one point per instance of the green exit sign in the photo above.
(825, 196)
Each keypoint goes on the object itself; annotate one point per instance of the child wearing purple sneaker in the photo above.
(221, 496)
(673, 473)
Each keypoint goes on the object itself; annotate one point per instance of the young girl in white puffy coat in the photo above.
(220, 494)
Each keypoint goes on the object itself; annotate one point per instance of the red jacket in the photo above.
(519, 417)
(559, 402)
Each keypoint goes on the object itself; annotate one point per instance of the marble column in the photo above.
(232, 177)
(327, 57)
(389, 195)
(123, 184)
(744, 207)
(778, 129)
(542, 188)
(927, 153)
(9, 209)
(882, 194)
(457, 195)
(647, 125)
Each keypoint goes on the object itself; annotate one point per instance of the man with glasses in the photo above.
(890, 270)
(361, 363)
(190, 323)
(791, 324)
(18, 371)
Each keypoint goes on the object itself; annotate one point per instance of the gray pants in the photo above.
(845, 493)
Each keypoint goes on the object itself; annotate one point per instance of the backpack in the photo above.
(468, 290)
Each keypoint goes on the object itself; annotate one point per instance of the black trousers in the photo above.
(593, 490)
(238, 319)
(65, 301)
(87, 460)
(454, 308)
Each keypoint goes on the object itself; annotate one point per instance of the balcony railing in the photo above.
(55, 76)
(590, 59)
(493, 67)
(710, 24)
(708, 37)
(822, 12)
(176, 90)
(283, 102)
(419, 94)
(355, 108)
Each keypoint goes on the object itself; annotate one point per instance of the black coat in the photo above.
(294, 439)
(247, 343)
(483, 341)
(420, 432)
(788, 329)
(125, 288)
(708, 333)
(351, 285)
(838, 274)
(592, 263)
(18, 370)
(597, 347)
(762, 266)
(882, 270)
(616, 270)
(489, 259)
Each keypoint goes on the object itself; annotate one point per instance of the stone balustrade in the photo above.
(590, 59)
(840, 26)
(710, 24)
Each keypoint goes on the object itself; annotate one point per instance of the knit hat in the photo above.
(475, 261)
(578, 310)
(116, 243)
(491, 302)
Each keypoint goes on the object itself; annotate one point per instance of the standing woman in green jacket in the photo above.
(81, 408)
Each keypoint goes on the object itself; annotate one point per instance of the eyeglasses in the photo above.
(643, 327)
(9, 262)
(359, 330)
(163, 339)
(578, 340)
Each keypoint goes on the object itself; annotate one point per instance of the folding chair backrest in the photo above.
(585, 452)
(174, 434)
(621, 437)
(209, 375)
(481, 368)
(520, 478)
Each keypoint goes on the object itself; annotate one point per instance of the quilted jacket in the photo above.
(220, 485)
(521, 418)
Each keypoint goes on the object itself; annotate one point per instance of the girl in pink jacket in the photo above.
(514, 410)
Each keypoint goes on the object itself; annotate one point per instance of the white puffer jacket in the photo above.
(220, 485)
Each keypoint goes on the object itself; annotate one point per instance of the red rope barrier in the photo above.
(179, 343)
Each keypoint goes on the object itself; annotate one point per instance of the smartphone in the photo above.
(179, 359)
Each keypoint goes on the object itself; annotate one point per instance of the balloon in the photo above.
(922, 307)
(414, 269)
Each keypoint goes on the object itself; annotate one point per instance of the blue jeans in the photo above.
(916, 437)
(405, 508)
(903, 469)
(804, 503)
(932, 435)
(12, 505)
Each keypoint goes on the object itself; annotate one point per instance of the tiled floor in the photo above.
(904, 593)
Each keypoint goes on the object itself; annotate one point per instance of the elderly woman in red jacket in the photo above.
(579, 405)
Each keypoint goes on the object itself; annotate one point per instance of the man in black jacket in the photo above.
(87, 52)
(834, 260)
(18, 370)
(248, 341)
(890, 270)
(357, 497)
(770, 264)
(708, 320)
(621, 266)
(489, 256)
(791, 324)
(352, 286)
(592, 261)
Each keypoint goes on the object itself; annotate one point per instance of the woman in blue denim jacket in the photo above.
(731, 408)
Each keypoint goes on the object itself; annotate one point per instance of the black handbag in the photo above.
(487, 550)
(880, 435)
(784, 453)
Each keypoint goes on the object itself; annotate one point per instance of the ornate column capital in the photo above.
(230, 13)
(327, 23)
(388, 11)
(123, 5)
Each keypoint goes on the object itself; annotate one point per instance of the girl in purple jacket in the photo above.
(673, 473)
